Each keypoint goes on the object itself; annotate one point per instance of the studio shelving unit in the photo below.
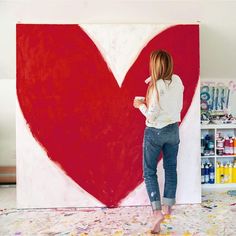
(212, 130)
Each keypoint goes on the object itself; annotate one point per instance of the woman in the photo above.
(161, 107)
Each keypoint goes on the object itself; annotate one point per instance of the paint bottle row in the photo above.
(207, 173)
(226, 173)
(225, 145)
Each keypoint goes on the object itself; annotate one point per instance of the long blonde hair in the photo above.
(161, 67)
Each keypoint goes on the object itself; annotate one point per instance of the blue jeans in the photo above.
(156, 140)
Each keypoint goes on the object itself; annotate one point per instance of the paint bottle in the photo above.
(220, 145)
(230, 172)
(226, 173)
(226, 145)
(234, 145)
(202, 145)
(202, 174)
(211, 147)
(219, 141)
(207, 177)
(211, 174)
(207, 139)
(234, 173)
(221, 173)
(221, 168)
(220, 151)
(222, 179)
(231, 146)
(217, 173)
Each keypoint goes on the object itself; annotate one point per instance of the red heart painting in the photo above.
(78, 113)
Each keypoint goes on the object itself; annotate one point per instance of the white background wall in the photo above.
(217, 38)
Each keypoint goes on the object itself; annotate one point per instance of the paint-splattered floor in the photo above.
(215, 216)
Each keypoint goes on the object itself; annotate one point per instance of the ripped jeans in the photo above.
(166, 140)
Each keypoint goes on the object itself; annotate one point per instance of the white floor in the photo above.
(7, 196)
(214, 217)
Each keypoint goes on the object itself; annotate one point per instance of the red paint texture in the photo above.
(75, 109)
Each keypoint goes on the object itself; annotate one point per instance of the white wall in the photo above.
(218, 37)
(7, 122)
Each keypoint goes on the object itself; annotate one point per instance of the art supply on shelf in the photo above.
(231, 146)
(207, 145)
(230, 173)
(207, 173)
(218, 173)
(202, 145)
(202, 174)
(221, 173)
(218, 146)
(226, 145)
(234, 145)
(207, 177)
(211, 174)
(234, 173)
(226, 173)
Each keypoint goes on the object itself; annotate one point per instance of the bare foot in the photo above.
(158, 218)
(166, 210)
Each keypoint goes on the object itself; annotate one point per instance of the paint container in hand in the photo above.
(139, 98)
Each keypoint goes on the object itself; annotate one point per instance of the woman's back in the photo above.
(165, 107)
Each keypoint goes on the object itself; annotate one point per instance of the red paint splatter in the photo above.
(78, 113)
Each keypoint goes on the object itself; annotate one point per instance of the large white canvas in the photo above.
(120, 45)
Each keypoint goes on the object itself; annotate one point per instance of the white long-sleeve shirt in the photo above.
(167, 110)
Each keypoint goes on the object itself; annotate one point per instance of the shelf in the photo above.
(212, 130)
(220, 126)
(219, 186)
(207, 156)
(225, 156)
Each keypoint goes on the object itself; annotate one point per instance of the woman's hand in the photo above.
(137, 103)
